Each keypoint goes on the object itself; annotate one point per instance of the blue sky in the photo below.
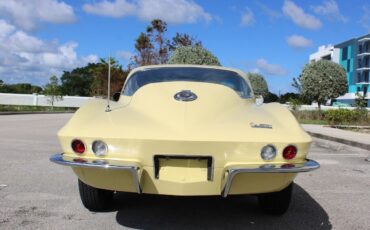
(40, 38)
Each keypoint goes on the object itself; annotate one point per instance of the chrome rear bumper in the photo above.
(76, 162)
(232, 171)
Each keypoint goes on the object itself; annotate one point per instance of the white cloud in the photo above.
(247, 18)
(19, 41)
(91, 58)
(119, 8)
(299, 17)
(180, 11)
(24, 57)
(172, 11)
(272, 14)
(28, 14)
(297, 41)
(270, 69)
(124, 55)
(330, 9)
(5, 28)
(365, 18)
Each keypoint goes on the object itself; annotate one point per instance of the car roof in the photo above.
(241, 73)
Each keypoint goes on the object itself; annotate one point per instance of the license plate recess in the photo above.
(195, 166)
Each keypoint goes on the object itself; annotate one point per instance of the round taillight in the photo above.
(78, 146)
(289, 152)
(268, 152)
(99, 148)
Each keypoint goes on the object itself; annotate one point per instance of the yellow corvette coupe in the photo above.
(185, 130)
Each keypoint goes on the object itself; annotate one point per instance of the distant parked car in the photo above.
(340, 104)
(185, 130)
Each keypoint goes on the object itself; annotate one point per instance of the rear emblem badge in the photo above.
(185, 95)
(261, 126)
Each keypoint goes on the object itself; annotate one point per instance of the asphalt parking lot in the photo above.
(36, 194)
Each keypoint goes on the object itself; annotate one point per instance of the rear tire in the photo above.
(94, 199)
(276, 203)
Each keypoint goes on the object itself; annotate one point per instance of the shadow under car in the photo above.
(214, 212)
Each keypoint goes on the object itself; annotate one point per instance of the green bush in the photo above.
(333, 117)
(346, 116)
(295, 103)
(308, 115)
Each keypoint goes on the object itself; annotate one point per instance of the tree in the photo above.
(22, 88)
(144, 49)
(152, 47)
(184, 39)
(271, 97)
(99, 86)
(53, 91)
(36, 89)
(287, 97)
(360, 101)
(92, 79)
(156, 31)
(78, 81)
(259, 84)
(196, 55)
(323, 80)
(297, 84)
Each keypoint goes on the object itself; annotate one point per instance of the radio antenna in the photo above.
(107, 109)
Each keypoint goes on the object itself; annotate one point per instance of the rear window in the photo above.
(216, 76)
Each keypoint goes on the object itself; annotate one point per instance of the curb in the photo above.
(340, 140)
(25, 113)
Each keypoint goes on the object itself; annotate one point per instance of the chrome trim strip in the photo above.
(307, 166)
(58, 159)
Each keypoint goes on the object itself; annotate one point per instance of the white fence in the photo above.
(323, 107)
(74, 101)
(40, 100)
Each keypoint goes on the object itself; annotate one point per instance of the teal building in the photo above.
(354, 57)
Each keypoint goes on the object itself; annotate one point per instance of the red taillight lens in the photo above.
(78, 146)
(289, 152)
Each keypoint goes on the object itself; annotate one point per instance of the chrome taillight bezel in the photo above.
(95, 150)
(267, 155)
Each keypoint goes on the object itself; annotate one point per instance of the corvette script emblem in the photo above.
(261, 126)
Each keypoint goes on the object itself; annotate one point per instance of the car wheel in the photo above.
(94, 199)
(276, 203)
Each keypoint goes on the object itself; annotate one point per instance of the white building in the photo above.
(328, 52)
